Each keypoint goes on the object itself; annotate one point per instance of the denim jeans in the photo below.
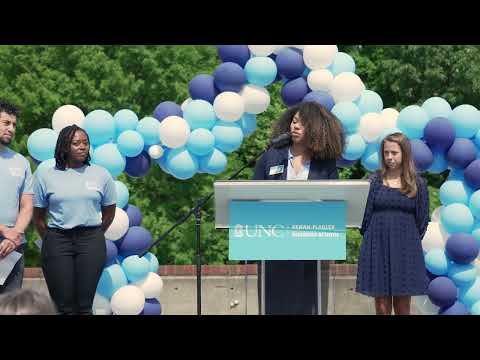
(15, 279)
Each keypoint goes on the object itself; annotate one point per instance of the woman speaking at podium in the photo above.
(317, 141)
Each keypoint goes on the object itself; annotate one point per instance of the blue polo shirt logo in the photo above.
(92, 185)
(16, 171)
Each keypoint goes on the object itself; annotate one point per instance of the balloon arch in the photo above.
(196, 136)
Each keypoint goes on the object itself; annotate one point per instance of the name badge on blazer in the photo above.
(274, 170)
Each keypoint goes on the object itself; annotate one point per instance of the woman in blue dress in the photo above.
(391, 266)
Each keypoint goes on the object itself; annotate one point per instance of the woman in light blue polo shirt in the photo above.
(79, 199)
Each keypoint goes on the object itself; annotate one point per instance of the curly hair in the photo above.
(64, 142)
(323, 131)
(9, 108)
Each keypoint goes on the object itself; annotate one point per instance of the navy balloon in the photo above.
(134, 215)
(442, 291)
(136, 240)
(203, 87)
(152, 307)
(112, 253)
(462, 248)
(294, 91)
(456, 309)
(167, 108)
(472, 175)
(238, 54)
(422, 155)
(321, 97)
(439, 134)
(461, 153)
(290, 63)
(229, 76)
(138, 166)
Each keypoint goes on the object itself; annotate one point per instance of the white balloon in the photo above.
(434, 238)
(262, 50)
(67, 115)
(155, 151)
(101, 305)
(229, 106)
(320, 80)
(370, 127)
(174, 131)
(436, 214)
(390, 116)
(128, 300)
(119, 226)
(347, 86)
(151, 285)
(256, 98)
(319, 56)
(185, 104)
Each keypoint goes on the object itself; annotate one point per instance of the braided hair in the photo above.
(64, 142)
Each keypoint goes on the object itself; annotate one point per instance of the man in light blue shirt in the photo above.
(16, 193)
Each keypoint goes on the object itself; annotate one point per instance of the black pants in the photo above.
(72, 262)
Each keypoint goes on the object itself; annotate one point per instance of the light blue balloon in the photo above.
(201, 142)
(199, 114)
(354, 147)
(122, 194)
(474, 204)
(437, 107)
(47, 164)
(162, 161)
(342, 63)
(41, 144)
(385, 133)
(457, 218)
(436, 262)
(470, 294)
(370, 158)
(369, 102)
(476, 140)
(100, 127)
(349, 115)
(462, 274)
(110, 158)
(112, 279)
(228, 136)
(439, 164)
(125, 119)
(466, 121)
(248, 122)
(148, 128)
(130, 143)
(476, 231)
(153, 261)
(455, 191)
(261, 70)
(475, 310)
(214, 163)
(181, 163)
(136, 268)
(412, 121)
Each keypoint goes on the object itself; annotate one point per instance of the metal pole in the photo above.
(197, 213)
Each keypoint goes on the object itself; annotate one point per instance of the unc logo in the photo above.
(92, 185)
(17, 172)
(238, 231)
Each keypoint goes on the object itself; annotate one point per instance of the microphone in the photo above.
(281, 140)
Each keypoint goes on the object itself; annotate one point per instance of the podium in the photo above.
(290, 220)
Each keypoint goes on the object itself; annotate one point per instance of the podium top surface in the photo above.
(354, 192)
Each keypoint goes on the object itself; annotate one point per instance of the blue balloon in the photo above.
(456, 174)
(153, 261)
(202, 87)
(371, 158)
(454, 191)
(200, 114)
(261, 71)
(228, 136)
(472, 174)
(134, 215)
(229, 76)
(139, 165)
(461, 153)
(182, 164)
(349, 115)
(462, 248)
(201, 142)
(476, 231)
(110, 158)
(465, 120)
(130, 143)
(112, 279)
(136, 268)
(354, 147)
(475, 309)
(412, 121)
(439, 134)
(112, 253)
(294, 91)
(239, 54)
(214, 163)
(148, 128)
(248, 122)
(456, 218)
(125, 119)
(456, 309)
(474, 204)
(439, 163)
(166, 109)
(369, 102)
(437, 107)
(152, 307)
(442, 292)
(469, 295)
(100, 127)
(122, 194)
(321, 97)
(422, 155)
(342, 63)
(290, 63)
(136, 240)
(436, 262)
(41, 144)
(462, 274)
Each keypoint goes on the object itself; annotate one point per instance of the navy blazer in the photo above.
(319, 169)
